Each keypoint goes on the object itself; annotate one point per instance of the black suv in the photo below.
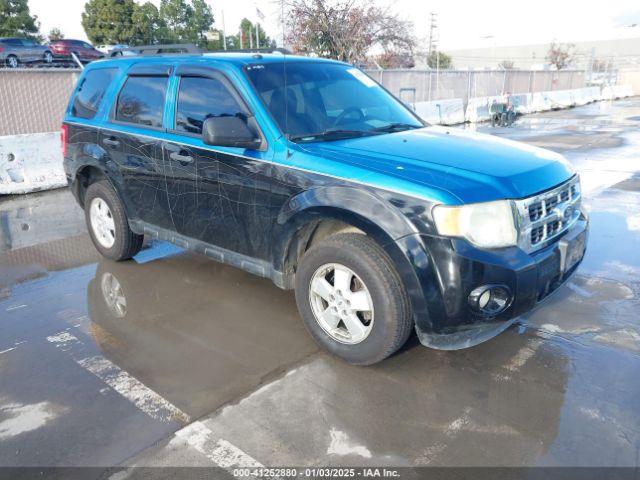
(308, 172)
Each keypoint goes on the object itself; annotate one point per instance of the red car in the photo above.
(62, 50)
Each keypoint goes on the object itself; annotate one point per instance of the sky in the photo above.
(461, 24)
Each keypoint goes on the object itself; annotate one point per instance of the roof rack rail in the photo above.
(283, 51)
(186, 48)
(160, 49)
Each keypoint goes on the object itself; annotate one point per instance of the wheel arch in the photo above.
(85, 176)
(308, 219)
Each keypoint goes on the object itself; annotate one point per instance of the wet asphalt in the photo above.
(175, 360)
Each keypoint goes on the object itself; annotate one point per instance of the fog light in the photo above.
(490, 300)
(484, 299)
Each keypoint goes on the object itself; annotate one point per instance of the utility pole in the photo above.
(433, 25)
(224, 35)
(257, 36)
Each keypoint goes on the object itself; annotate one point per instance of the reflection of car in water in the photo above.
(195, 332)
(200, 341)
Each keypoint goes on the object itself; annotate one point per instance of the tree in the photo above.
(109, 21)
(394, 59)
(201, 20)
(150, 27)
(507, 65)
(344, 29)
(439, 60)
(55, 34)
(560, 55)
(177, 15)
(248, 34)
(16, 20)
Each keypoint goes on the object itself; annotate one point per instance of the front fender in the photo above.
(360, 202)
(363, 209)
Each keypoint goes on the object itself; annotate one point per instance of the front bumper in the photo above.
(448, 270)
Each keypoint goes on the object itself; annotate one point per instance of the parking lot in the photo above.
(175, 360)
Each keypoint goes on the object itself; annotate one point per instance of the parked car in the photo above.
(16, 51)
(307, 172)
(62, 50)
(107, 49)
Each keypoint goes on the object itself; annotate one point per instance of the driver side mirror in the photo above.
(230, 132)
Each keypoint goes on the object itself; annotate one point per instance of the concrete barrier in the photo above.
(478, 108)
(612, 92)
(541, 102)
(31, 162)
(442, 112)
(581, 96)
(622, 91)
(521, 102)
(562, 98)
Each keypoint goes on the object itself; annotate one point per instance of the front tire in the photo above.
(107, 223)
(352, 299)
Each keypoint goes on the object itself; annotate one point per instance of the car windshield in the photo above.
(318, 101)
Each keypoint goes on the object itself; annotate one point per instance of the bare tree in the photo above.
(393, 59)
(345, 29)
(560, 55)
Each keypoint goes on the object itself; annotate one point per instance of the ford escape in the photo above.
(307, 172)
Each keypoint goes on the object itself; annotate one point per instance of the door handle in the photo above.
(179, 157)
(111, 142)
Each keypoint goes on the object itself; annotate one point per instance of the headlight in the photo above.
(486, 225)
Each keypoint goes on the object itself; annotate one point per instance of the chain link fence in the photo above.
(34, 100)
(413, 86)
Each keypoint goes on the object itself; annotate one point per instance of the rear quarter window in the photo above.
(141, 101)
(91, 91)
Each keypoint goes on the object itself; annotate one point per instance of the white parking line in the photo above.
(221, 452)
(15, 345)
(15, 307)
(122, 382)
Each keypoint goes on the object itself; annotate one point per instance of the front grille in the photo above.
(546, 216)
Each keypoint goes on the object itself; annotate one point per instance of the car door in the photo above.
(16, 48)
(134, 136)
(219, 195)
(29, 51)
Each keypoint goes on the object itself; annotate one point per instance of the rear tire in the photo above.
(107, 223)
(12, 61)
(375, 296)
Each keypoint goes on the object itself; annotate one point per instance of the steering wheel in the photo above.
(346, 112)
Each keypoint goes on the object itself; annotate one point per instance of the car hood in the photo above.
(470, 166)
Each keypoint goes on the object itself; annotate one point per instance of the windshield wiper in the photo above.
(331, 134)
(395, 127)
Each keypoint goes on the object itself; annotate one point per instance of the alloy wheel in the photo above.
(113, 295)
(341, 303)
(102, 223)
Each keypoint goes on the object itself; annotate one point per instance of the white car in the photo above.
(107, 49)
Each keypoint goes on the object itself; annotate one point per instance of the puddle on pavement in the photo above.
(202, 335)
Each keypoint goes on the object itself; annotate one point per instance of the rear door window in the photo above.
(91, 92)
(141, 101)
(200, 98)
